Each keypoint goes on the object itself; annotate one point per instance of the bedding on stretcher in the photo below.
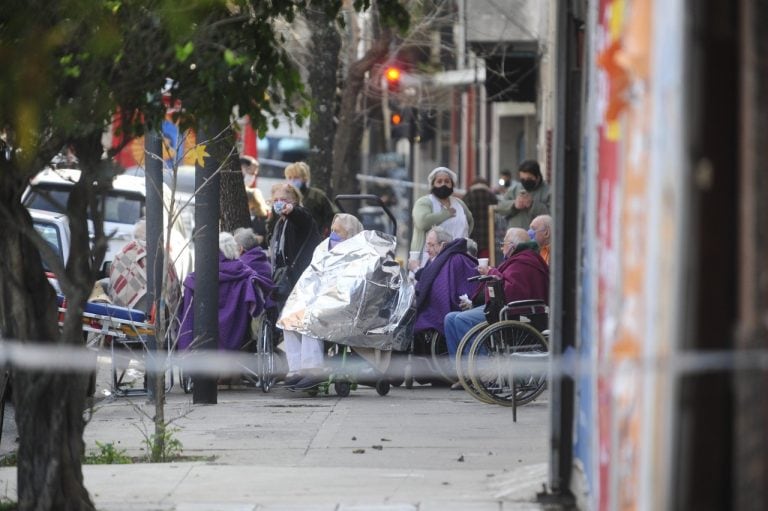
(354, 294)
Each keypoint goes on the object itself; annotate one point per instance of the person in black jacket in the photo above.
(292, 239)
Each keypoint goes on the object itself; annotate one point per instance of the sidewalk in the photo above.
(425, 449)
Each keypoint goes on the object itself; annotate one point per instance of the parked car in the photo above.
(124, 205)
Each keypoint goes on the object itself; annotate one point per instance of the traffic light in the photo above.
(399, 123)
(392, 75)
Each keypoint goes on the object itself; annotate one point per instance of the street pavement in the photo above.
(420, 449)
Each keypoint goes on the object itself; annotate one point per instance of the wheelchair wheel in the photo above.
(342, 388)
(489, 367)
(382, 387)
(462, 370)
(439, 362)
(265, 353)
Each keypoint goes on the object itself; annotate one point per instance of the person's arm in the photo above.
(423, 217)
(506, 205)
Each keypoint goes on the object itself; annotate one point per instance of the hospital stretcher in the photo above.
(127, 332)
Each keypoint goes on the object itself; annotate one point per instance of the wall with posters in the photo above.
(630, 278)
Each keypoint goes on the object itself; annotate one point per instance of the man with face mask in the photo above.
(441, 208)
(525, 276)
(527, 198)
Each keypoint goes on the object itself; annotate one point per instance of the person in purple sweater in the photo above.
(441, 282)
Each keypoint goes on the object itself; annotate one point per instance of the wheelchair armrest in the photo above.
(525, 303)
(483, 278)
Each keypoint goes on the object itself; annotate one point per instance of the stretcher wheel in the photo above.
(342, 388)
(382, 387)
(186, 382)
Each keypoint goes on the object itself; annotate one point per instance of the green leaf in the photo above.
(183, 52)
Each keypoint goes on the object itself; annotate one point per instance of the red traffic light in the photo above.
(393, 75)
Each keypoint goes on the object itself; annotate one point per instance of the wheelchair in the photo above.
(486, 355)
(260, 370)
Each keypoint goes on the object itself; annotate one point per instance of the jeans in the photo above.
(459, 323)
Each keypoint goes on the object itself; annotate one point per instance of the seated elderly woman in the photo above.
(443, 279)
(250, 252)
(304, 352)
(242, 293)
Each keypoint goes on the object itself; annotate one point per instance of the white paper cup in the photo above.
(414, 255)
(482, 262)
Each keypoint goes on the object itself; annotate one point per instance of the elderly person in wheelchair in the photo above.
(441, 282)
(242, 295)
(303, 351)
(525, 276)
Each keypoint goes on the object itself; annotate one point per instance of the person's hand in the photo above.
(452, 211)
(465, 303)
(413, 264)
(523, 201)
(287, 209)
(483, 270)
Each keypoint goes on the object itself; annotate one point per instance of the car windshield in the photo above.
(119, 207)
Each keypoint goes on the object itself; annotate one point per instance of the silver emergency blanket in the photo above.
(354, 294)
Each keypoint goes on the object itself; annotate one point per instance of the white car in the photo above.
(124, 205)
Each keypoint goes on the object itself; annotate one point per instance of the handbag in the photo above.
(284, 277)
(283, 283)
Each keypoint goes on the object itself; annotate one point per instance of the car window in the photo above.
(272, 170)
(49, 199)
(123, 208)
(51, 235)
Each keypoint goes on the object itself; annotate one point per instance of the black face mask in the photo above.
(442, 192)
(529, 184)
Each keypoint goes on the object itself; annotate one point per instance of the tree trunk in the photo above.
(323, 69)
(234, 203)
(49, 405)
(349, 132)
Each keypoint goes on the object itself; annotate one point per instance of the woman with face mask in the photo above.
(292, 237)
(439, 208)
(304, 352)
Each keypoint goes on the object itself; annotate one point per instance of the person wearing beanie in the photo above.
(441, 208)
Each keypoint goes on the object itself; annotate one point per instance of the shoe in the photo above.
(293, 379)
(457, 386)
(308, 382)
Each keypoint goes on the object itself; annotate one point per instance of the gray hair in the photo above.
(441, 234)
(246, 238)
(349, 223)
(140, 230)
(228, 245)
(517, 235)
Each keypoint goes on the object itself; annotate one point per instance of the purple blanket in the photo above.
(242, 294)
(437, 298)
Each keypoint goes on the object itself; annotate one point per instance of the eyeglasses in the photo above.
(505, 242)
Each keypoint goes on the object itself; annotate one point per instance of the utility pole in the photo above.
(206, 302)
